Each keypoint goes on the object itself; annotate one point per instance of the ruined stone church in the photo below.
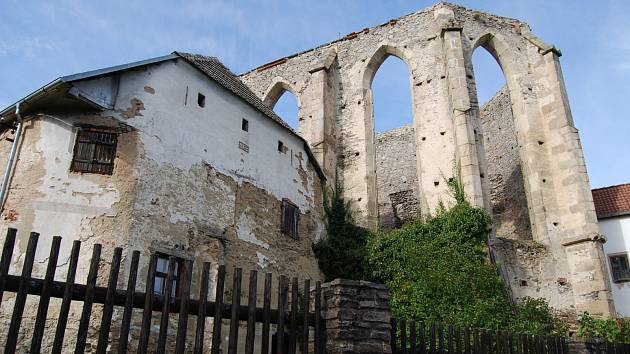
(177, 156)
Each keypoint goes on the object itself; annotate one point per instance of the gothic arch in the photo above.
(276, 89)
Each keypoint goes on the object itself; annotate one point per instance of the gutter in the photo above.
(9, 169)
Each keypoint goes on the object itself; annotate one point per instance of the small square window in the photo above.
(290, 218)
(94, 151)
(281, 147)
(619, 267)
(161, 273)
(201, 100)
(245, 125)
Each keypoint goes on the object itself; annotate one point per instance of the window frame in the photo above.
(177, 276)
(245, 125)
(292, 231)
(612, 271)
(92, 141)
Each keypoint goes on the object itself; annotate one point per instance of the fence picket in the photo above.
(108, 307)
(403, 336)
(123, 338)
(251, 313)
(20, 298)
(236, 303)
(145, 327)
(264, 347)
(166, 306)
(432, 339)
(282, 301)
(182, 323)
(306, 306)
(67, 298)
(218, 311)
(294, 309)
(201, 310)
(88, 300)
(393, 322)
(5, 261)
(44, 298)
(318, 317)
(421, 339)
(412, 337)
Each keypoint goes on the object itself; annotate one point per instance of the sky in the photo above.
(43, 40)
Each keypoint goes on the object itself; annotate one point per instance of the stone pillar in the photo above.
(356, 317)
(466, 149)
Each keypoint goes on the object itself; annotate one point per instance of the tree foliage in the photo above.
(437, 270)
(607, 329)
(342, 253)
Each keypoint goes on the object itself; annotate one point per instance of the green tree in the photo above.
(607, 329)
(342, 253)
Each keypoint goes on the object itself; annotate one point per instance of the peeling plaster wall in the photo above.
(551, 210)
(182, 184)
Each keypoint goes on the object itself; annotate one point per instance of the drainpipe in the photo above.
(8, 171)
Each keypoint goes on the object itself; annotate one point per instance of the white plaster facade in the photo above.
(617, 232)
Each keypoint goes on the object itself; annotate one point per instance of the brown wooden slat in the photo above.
(432, 339)
(147, 313)
(67, 298)
(306, 303)
(236, 303)
(88, 300)
(450, 339)
(440, 335)
(282, 301)
(294, 310)
(218, 312)
(123, 339)
(251, 312)
(108, 307)
(182, 324)
(318, 317)
(412, 337)
(5, 261)
(20, 297)
(201, 314)
(458, 340)
(44, 298)
(264, 347)
(166, 304)
(467, 340)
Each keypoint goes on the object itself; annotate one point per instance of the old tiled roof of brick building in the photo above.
(612, 201)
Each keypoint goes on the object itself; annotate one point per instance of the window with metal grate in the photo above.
(94, 152)
(619, 267)
(290, 218)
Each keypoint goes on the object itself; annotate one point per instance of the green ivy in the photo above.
(437, 270)
(607, 329)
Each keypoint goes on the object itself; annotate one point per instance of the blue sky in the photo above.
(42, 40)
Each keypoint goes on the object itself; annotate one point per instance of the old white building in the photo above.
(171, 155)
(613, 211)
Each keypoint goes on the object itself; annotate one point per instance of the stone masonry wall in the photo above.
(564, 255)
(396, 177)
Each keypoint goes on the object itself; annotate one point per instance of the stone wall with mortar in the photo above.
(182, 185)
(396, 177)
(437, 44)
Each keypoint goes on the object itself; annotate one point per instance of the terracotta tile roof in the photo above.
(612, 201)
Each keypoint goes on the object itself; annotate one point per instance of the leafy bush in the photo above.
(607, 329)
(342, 253)
(437, 270)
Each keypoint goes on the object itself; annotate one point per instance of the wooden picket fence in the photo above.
(110, 297)
(410, 337)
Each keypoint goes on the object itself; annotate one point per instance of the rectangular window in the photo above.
(94, 151)
(281, 147)
(245, 125)
(161, 273)
(619, 267)
(201, 100)
(290, 218)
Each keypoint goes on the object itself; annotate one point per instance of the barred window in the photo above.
(161, 272)
(619, 267)
(290, 218)
(94, 151)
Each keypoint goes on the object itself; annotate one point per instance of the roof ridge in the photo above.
(610, 187)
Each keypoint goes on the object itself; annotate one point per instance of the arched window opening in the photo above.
(394, 145)
(391, 95)
(500, 168)
(287, 108)
(488, 75)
